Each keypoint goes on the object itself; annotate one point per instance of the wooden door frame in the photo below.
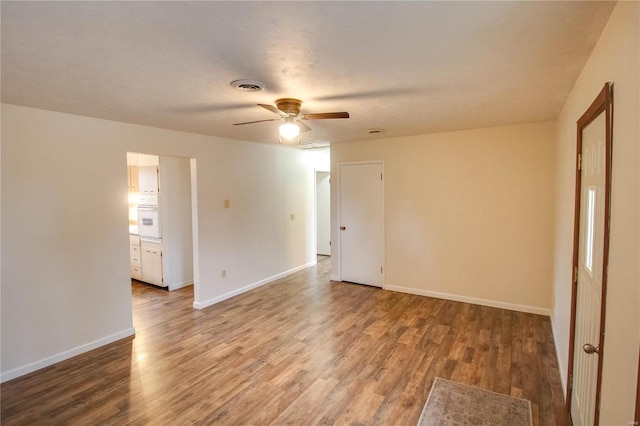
(637, 415)
(602, 103)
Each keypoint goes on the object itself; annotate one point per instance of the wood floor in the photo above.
(302, 350)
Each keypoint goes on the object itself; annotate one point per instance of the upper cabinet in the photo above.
(143, 173)
(148, 180)
(132, 179)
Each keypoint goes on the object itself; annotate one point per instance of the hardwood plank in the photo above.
(301, 350)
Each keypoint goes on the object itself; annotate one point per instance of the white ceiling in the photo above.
(407, 67)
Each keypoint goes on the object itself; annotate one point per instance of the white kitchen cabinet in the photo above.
(146, 261)
(135, 257)
(132, 179)
(148, 180)
(151, 263)
(136, 273)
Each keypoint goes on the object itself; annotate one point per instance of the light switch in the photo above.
(293, 216)
(226, 204)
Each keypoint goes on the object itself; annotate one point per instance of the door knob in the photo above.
(343, 228)
(590, 349)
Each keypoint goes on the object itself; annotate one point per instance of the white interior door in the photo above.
(361, 223)
(323, 213)
(590, 272)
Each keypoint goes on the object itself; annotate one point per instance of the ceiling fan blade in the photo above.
(303, 127)
(324, 115)
(274, 110)
(257, 121)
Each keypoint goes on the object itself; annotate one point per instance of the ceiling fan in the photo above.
(288, 112)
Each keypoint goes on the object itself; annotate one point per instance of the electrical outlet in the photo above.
(226, 204)
(224, 274)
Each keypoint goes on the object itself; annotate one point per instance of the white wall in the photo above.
(175, 220)
(468, 213)
(65, 260)
(614, 59)
(323, 212)
(322, 159)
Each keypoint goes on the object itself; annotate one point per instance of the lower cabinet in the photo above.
(151, 260)
(146, 261)
(134, 257)
(136, 272)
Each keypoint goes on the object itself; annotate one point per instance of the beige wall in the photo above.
(467, 214)
(65, 247)
(614, 59)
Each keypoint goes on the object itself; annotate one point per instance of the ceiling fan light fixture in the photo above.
(289, 129)
(292, 141)
(292, 122)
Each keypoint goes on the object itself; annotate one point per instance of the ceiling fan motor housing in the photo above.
(289, 105)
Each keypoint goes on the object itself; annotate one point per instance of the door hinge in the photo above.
(575, 274)
(579, 161)
(158, 180)
(380, 176)
(381, 269)
(329, 242)
(570, 381)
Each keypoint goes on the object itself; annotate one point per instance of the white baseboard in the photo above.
(334, 278)
(561, 370)
(229, 295)
(180, 285)
(472, 300)
(29, 368)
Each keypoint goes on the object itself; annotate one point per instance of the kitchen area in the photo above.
(160, 228)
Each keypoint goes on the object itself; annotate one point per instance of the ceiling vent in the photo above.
(248, 85)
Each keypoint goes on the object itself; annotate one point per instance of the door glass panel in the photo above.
(590, 228)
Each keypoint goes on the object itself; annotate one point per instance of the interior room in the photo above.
(365, 203)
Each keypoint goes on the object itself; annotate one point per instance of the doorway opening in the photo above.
(323, 213)
(162, 221)
(322, 201)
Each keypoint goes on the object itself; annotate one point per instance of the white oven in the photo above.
(148, 223)
(148, 201)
